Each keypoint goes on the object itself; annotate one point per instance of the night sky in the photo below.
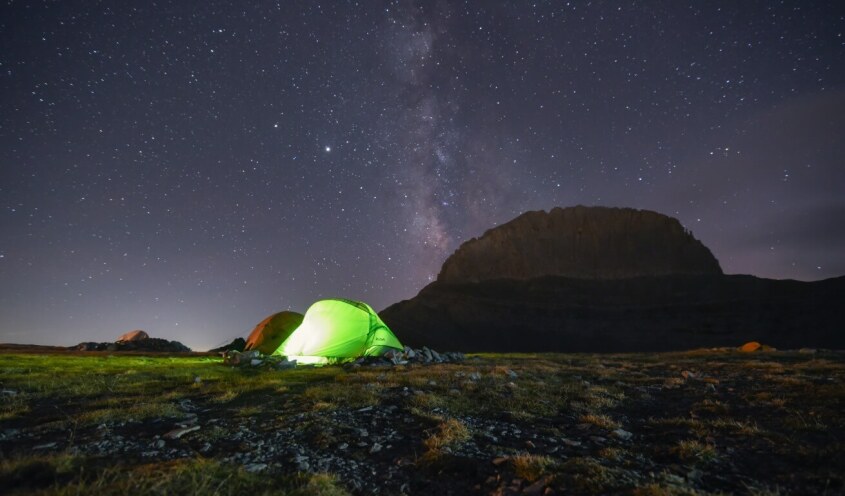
(188, 168)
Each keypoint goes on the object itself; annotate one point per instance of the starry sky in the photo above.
(188, 168)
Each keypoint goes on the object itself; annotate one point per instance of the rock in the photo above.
(427, 354)
(136, 335)
(255, 362)
(159, 444)
(232, 358)
(8, 434)
(301, 462)
(686, 374)
(237, 344)
(177, 433)
(409, 352)
(255, 467)
(673, 383)
(536, 489)
(46, 446)
(435, 356)
(90, 346)
(807, 351)
(286, 364)
(375, 448)
(622, 434)
(512, 374)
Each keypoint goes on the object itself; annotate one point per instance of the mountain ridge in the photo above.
(489, 296)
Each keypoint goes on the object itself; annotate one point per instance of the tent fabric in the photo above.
(338, 329)
(750, 346)
(272, 331)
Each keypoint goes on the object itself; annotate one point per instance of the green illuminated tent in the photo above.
(272, 332)
(336, 330)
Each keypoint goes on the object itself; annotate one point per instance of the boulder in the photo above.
(135, 335)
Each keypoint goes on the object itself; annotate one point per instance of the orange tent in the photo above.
(750, 346)
(272, 331)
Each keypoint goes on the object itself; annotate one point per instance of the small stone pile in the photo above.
(424, 355)
(255, 358)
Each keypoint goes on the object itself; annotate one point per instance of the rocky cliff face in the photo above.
(608, 279)
(581, 242)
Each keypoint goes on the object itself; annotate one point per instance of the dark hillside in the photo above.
(636, 314)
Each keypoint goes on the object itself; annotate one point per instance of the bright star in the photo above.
(328, 149)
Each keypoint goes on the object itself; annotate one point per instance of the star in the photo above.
(212, 155)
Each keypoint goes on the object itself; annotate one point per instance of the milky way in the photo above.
(190, 168)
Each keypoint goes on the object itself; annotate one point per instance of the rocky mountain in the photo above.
(647, 285)
(581, 242)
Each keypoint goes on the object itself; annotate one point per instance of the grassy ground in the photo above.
(702, 422)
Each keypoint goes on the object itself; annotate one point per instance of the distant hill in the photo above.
(646, 285)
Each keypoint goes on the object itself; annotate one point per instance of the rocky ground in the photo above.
(684, 423)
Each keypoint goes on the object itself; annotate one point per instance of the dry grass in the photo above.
(735, 426)
(586, 475)
(691, 449)
(449, 433)
(531, 467)
(599, 420)
(457, 416)
(32, 475)
(341, 394)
